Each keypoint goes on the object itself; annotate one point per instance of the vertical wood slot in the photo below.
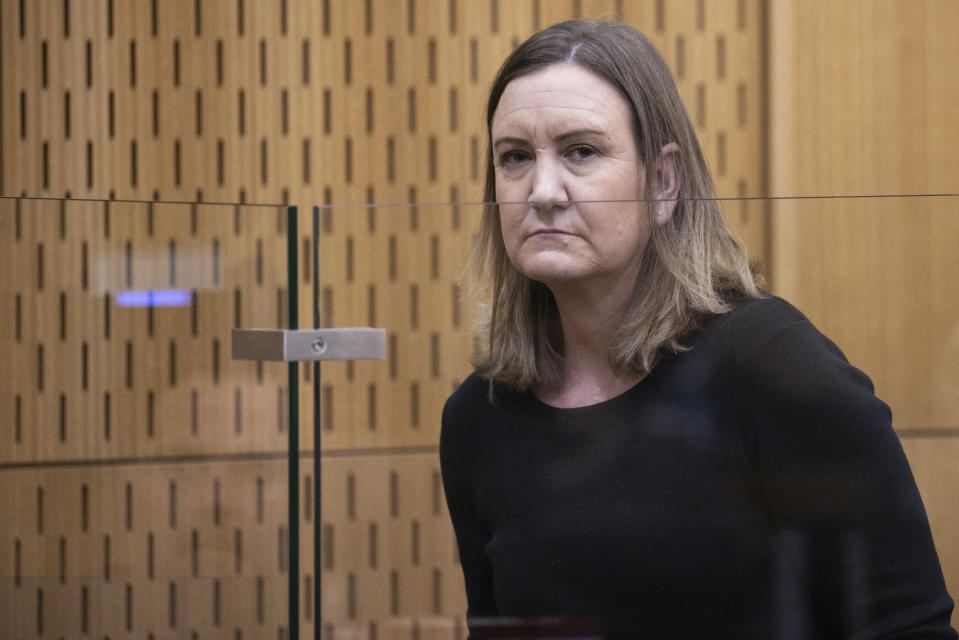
(371, 305)
(172, 504)
(44, 56)
(284, 112)
(240, 18)
(536, 19)
(392, 259)
(390, 60)
(435, 354)
(194, 411)
(326, 17)
(306, 162)
(18, 418)
(63, 315)
(454, 110)
(327, 547)
(66, 115)
(220, 162)
(84, 366)
(40, 613)
(106, 416)
(414, 307)
(219, 62)
(198, 111)
(216, 361)
(493, 16)
(84, 609)
(129, 364)
(259, 262)
(194, 553)
(88, 63)
(216, 261)
(128, 606)
(415, 405)
(216, 502)
(23, 115)
(369, 110)
(259, 500)
(351, 596)
(372, 540)
(22, 14)
(721, 153)
(390, 160)
(327, 111)
(263, 161)
(46, 165)
(283, 550)
(328, 307)
(577, 9)
(455, 299)
(437, 592)
(394, 593)
(349, 258)
(741, 105)
(474, 60)
(176, 62)
(17, 563)
(63, 417)
(216, 603)
(433, 159)
(371, 406)
(394, 494)
(128, 507)
(155, 111)
(197, 18)
(111, 115)
(106, 315)
(40, 368)
(260, 599)
(700, 105)
(63, 560)
(411, 109)
(415, 543)
(172, 605)
(262, 62)
(305, 62)
(153, 19)
(133, 64)
(106, 557)
(109, 18)
(172, 359)
(351, 496)
(328, 407)
(434, 257)
(237, 552)
(133, 164)
(151, 556)
(283, 17)
(431, 59)
(89, 164)
(308, 498)
(194, 313)
(394, 356)
(347, 62)
(410, 17)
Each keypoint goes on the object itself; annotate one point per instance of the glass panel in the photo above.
(144, 471)
(877, 275)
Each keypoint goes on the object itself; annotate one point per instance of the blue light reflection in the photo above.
(159, 298)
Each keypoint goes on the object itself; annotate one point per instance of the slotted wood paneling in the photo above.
(370, 109)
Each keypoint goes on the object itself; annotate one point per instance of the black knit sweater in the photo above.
(749, 487)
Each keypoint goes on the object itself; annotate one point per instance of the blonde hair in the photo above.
(692, 267)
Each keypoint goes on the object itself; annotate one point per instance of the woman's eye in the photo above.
(581, 152)
(512, 158)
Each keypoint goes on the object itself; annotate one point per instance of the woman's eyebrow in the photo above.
(563, 137)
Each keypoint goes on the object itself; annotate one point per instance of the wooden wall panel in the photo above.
(372, 110)
(862, 98)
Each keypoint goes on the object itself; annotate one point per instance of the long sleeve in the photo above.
(855, 556)
(471, 534)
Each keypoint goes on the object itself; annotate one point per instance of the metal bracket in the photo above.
(296, 345)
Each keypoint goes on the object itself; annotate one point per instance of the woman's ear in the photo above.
(666, 183)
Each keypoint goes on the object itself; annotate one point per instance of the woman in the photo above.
(650, 445)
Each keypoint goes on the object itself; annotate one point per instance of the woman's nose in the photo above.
(548, 189)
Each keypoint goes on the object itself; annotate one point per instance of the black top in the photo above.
(748, 487)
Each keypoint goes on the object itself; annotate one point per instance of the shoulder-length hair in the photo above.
(692, 266)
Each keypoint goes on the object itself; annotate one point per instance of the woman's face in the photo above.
(569, 180)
